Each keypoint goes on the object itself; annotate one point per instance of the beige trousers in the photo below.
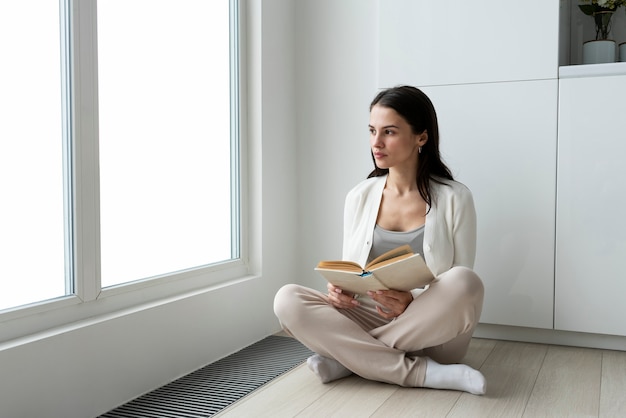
(438, 324)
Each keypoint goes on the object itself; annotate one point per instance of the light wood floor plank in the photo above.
(613, 389)
(350, 397)
(568, 384)
(479, 350)
(517, 354)
(285, 396)
(418, 402)
(511, 370)
(508, 390)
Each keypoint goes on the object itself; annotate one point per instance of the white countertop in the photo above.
(593, 70)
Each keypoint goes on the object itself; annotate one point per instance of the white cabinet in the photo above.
(551, 228)
(433, 43)
(500, 140)
(591, 197)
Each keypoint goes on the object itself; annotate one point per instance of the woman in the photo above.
(411, 338)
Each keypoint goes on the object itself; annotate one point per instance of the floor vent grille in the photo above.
(212, 388)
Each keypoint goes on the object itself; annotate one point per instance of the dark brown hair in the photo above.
(417, 109)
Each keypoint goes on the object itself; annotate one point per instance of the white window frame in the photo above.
(81, 122)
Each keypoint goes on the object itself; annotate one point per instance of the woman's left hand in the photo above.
(394, 302)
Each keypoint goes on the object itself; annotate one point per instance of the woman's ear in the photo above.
(422, 138)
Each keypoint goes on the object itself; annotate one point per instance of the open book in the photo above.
(398, 269)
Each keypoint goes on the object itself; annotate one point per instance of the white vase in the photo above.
(598, 52)
(622, 52)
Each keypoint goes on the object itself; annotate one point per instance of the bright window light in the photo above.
(31, 154)
(164, 135)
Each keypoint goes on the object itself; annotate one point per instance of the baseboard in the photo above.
(550, 336)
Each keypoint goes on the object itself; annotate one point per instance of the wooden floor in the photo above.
(523, 380)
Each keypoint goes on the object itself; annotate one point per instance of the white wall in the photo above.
(87, 368)
(336, 81)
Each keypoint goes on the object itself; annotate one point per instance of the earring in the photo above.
(419, 150)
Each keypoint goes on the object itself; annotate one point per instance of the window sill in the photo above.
(54, 316)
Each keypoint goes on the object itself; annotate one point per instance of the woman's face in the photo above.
(392, 141)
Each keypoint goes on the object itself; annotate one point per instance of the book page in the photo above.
(340, 265)
(390, 256)
(410, 273)
(352, 282)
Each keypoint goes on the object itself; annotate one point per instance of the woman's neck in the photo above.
(402, 182)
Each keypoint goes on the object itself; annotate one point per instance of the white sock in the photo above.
(454, 377)
(327, 369)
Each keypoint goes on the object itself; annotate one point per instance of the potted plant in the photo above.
(602, 48)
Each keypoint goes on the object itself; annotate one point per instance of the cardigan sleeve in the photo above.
(464, 228)
(450, 234)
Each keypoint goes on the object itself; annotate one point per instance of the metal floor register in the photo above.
(209, 390)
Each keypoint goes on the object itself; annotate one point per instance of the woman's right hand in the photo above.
(341, 299)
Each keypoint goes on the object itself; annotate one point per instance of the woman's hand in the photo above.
(394, 302)
(341, 299)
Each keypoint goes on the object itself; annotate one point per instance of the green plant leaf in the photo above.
(586, 9)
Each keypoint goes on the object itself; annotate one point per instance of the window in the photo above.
(164, 116)
(138, 179)
(31, 154)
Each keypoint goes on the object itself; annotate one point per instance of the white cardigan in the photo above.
(449, 233)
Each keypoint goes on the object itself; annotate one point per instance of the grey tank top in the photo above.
(385, 240)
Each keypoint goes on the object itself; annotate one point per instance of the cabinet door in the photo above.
(500, 140)
(458, 41)
(591, 197)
